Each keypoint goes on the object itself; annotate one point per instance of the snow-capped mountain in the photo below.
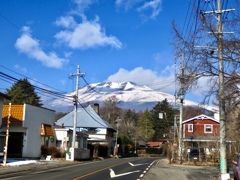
(130, 96)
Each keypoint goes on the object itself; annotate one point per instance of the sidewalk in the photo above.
(162, 170)
(14, 166)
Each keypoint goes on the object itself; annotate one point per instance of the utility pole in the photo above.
(223, 163)
(75, 110)
(222, 113)
(7, 135)
(181, 111)
(174, 138)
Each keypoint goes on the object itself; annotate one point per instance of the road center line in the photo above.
(80, 177)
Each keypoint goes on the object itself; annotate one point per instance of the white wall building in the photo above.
(64, 141)
(29, 128)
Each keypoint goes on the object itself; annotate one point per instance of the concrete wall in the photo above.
(62, 134)
(33, 119)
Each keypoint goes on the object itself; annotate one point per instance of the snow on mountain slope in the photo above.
(130, 96)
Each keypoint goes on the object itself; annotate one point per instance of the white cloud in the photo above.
(163, 81)
(204, 84)
(31, 47)
(66, 22)
(127, 4)
(155, 6)
(88, 34)
(81, 6)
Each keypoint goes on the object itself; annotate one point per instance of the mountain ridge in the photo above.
(129, 94)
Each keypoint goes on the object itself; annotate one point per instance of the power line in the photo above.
(45, 92)
(30, 78)
(91, 115)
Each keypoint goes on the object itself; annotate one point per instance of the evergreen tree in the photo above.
(145, 126)
(131, 117)
(23, 92)
(162, 127)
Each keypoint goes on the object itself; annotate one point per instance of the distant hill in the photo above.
(129, 94)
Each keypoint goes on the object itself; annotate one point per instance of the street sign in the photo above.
(160, 115)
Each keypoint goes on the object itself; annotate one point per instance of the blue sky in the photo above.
(121, 40)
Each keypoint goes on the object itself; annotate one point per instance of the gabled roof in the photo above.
(86, 118)
(203, 117)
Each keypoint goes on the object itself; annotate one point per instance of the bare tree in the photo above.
(190, 112)
(110, 111)
(198, 44)
(199, 47)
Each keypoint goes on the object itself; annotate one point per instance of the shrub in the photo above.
(103, 150)
(151, 150)
(54, 151)
(44, 150)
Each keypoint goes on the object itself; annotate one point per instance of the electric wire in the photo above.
(32, 79)
(43, 91)
(91, 115)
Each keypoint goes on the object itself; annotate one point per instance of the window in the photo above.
(44, 140)
(208, 128)
(58, 143)
(190, 127)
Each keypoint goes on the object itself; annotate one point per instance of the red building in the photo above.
(200, 129)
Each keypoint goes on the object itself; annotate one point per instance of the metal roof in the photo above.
(86, 118)
(202, 117)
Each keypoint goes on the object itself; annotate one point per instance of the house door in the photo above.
(15, 144)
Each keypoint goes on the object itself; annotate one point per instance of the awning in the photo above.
(47, 130)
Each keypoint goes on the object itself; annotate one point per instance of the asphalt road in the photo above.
(119, 169)
(136, 168)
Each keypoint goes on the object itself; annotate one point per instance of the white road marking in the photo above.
(136, 164)
(113, 175)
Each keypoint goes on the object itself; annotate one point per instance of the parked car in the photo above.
(236, 168)
(196, 153)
